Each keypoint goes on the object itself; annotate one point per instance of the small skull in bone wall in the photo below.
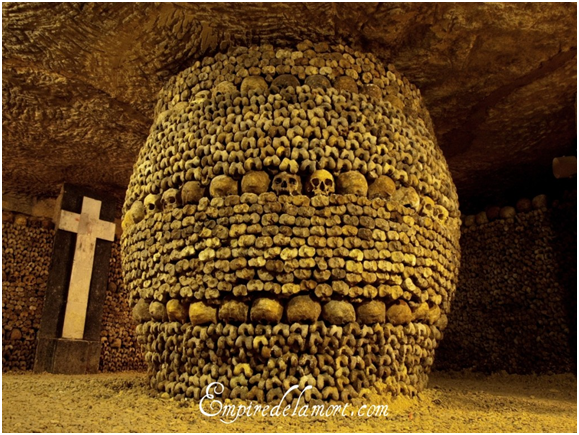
(321, 182)
(287, 184)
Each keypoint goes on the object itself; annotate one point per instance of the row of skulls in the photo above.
(320, 182)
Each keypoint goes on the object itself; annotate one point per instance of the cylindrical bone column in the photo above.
(290, 220)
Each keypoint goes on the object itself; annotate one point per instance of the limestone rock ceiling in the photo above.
(79, 81)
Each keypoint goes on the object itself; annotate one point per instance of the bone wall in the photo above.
(26, 252)
(515, 307)
(27, 244)
(119, 349)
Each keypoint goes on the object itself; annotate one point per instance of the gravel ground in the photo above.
(454, 402)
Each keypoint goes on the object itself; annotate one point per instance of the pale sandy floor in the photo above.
(462, 402)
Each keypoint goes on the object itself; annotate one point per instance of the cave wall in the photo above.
(515, 305)
(27, 243)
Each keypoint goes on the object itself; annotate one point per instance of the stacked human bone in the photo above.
(26, 250)
(290, 220)
(119, 348)
(516, 308)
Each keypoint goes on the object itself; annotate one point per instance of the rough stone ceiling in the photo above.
(79, 81)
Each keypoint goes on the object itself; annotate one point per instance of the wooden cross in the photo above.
(88, 228)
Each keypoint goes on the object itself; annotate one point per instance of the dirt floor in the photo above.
(454, 402)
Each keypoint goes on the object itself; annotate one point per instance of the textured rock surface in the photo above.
(80, 80)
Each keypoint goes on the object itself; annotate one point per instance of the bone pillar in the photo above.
(312, 168)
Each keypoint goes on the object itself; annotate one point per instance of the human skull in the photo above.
(171, 199)
(138, 211)
(265, 310)
(441, 213)
(469, 220)
(480, 218)
(192, 192)
(321, 182)
(493, 213)
(176, 311)
(508, 212)
(339, 312)
(255, 182)
(285, 183)
(222, 186)
(372, 91)
(224, 88)
(524, 205)
(152, 203)
(408, 197)
(352, 182)
(345, 83)
(134, 215)
(303, 309)
(428, 206)
(284, 81)
(318, 81)
(540, 202)
(253, 83)
(383, 187)
(141, 311)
